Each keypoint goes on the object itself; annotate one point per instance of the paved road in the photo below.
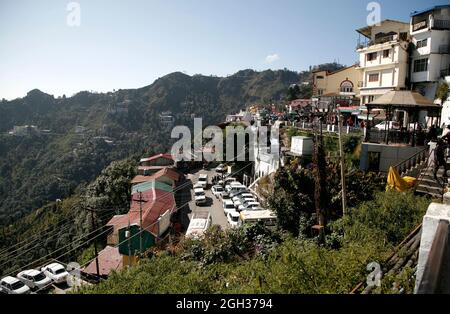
(214, 205)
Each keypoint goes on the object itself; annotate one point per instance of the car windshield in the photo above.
(59, 271)
(235, 218)
(219, 189)
(199, 193)
(39, 277)
(17, 285)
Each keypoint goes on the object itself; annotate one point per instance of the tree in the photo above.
(442, 92)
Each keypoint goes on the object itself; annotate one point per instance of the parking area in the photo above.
(213, 204)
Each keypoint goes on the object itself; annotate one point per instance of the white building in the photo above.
(430, 31)
(383, 58)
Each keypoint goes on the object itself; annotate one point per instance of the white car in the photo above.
(233, 218)
(217, 190)
(198, 185)
(11, 285)
(199, 196)
(55, 272)
(203, 180)
(34, 279)
(220, 168)
(228, 206)
(249, 206)
(244, 199)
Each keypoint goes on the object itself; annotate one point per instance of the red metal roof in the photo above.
(108, 259)
(158, 202)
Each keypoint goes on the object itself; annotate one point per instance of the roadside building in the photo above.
(430, 30)
(383, 58)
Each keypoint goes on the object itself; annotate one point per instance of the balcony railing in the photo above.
(441, 24)
(436, 268)
(379, 40)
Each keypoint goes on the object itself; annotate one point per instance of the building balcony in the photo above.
(444, 73)
(377, 41)
(441, 24)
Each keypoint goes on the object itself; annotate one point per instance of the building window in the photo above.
(422, 43)
(371, 56)
(319, 77)
(373, 77)
(386, 53)
(346, 87)
(421, 65)
(320, 92)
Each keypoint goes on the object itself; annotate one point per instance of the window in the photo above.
(421, 65)
(319, 77)
(386, 53)
(373, 77)
(371, 56)
(346, 87)
(422, 43)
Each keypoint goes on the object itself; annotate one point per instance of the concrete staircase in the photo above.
(421, 166)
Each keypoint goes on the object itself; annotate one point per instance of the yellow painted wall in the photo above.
(331, 83)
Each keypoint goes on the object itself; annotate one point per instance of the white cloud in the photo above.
(272, 58)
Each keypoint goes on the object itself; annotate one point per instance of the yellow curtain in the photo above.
(396, 182)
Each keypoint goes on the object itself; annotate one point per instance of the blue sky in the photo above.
(129, 44)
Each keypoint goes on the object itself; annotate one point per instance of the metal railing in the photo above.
(416, 159)
(441, 24)
(435, 272)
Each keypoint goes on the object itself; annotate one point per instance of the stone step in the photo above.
(432, 189)
(435, 195)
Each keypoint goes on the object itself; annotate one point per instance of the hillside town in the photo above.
(394, 102)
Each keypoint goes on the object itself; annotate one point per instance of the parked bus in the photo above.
(253, 216)
(200, 221)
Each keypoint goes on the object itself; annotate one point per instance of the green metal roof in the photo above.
(142, 187)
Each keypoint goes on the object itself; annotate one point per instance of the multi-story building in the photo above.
(383, 58)
(430, 31)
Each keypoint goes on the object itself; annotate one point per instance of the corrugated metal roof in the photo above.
(109, 259)
(145, 186)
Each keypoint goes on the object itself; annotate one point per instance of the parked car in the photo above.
(55, 272)
(233, 218)
(217, 190)
(393, 125)
(11, 285)
(249, 206)
(203, 180)
(197, 185)
(34, 279)
(199, 196)
(228, 206)
(225, 195)
(220, 168)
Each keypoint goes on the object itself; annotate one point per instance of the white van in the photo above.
(253, 216)
(200, 221)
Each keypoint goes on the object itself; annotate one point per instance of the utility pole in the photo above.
(128, 236)
(94, 227)
(341, 153)
(140, 201)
